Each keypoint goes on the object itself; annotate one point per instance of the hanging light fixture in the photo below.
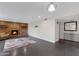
(51, 7)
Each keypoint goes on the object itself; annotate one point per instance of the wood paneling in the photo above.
(6, 27)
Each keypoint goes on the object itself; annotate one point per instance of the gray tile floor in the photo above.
(44, 48)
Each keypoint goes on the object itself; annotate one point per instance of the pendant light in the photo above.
(51, 7)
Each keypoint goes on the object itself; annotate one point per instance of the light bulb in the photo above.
(51, 8)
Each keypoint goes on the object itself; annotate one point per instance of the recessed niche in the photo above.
(14, 32)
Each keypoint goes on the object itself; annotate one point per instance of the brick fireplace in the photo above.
(12, 29)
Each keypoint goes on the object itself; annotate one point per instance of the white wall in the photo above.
(45, 30)
(61, 29)
(57, 23)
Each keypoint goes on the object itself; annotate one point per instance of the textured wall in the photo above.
(6, 28)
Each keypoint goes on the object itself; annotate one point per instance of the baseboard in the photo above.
(43, 39)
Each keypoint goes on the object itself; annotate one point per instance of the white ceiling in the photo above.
(29, 11)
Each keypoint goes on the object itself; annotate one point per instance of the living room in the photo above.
(32, 29)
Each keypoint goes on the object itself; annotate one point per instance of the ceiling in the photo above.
(29, 11)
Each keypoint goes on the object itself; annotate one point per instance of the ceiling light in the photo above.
(51, 7)
(39, 16)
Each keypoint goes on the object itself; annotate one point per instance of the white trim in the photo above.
(42, 39)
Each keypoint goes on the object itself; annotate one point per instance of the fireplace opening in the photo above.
(14, 32)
